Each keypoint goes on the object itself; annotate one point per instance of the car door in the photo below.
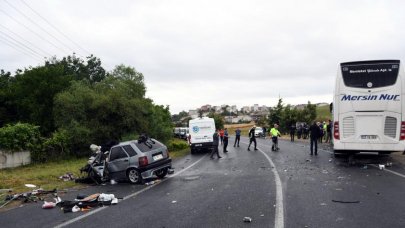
(118, 163)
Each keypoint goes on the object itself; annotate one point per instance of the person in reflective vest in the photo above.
(274, 137)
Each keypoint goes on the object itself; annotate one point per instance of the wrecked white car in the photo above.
(133, 160)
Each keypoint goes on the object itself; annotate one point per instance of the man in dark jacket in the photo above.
(292, 132)
(225, 140)
(215, 145)
(237, 137)
(314, 130)
(252, 137)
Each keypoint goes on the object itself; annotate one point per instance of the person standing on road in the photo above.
(264, 132)
(320, 132)
(225, 140)
(329, 132)
(221, 135)
(274, 133)
(215, 145)
(315, 132)
(292, 132)
(237, 137)
(252, 137)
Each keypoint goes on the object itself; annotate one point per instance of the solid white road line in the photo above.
(127, 197)
(279, 215)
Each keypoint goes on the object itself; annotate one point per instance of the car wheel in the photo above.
(161, 173)
(133, 176)
(93, 176)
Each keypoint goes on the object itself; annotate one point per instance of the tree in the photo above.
(308, 114)
(7, 111)
(30, 93)
(89, 69)
(109, 109)
(289, 117)
(276, 113)
(218, 119)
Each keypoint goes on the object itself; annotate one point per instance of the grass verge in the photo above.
(44, 175)
(179, 153)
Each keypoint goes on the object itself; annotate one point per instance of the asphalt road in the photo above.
(288, 188)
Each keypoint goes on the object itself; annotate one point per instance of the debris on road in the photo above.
(27, 197)
(341, 201)
(389, 164)
(247, 219)
(330, 160)
(30, 185)
(174, 201)
(48, 205)
(364, 167)
(381, 167)
(323, 204)
(88, 202)
(308, 160)
(67, 177)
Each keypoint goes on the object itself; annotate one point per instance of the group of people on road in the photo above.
(318, 131)
(222, 135)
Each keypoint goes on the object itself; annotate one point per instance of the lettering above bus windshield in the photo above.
(381, 97)
(370, 75)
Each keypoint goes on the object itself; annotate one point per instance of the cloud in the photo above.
(218, 52)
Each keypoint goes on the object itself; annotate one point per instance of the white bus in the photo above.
(369, 110)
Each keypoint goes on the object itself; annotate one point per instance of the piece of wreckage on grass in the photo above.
(132, 161)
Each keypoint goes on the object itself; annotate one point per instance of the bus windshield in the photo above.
(370, 74)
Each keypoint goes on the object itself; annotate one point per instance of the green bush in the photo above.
(58, 145)
(176, 145)
(20, 136)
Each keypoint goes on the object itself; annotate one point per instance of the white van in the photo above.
(201, 133)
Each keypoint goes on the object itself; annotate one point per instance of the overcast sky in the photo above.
(194, 53)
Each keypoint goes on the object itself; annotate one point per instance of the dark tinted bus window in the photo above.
(117, 153)
(130, 150)
(149, 146)
(370, 74)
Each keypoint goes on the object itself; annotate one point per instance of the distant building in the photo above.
(255, 107)
(206, 108)
(234, 109)
(246, 109)
(217, 108)
(193, 113)
(246, 118)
